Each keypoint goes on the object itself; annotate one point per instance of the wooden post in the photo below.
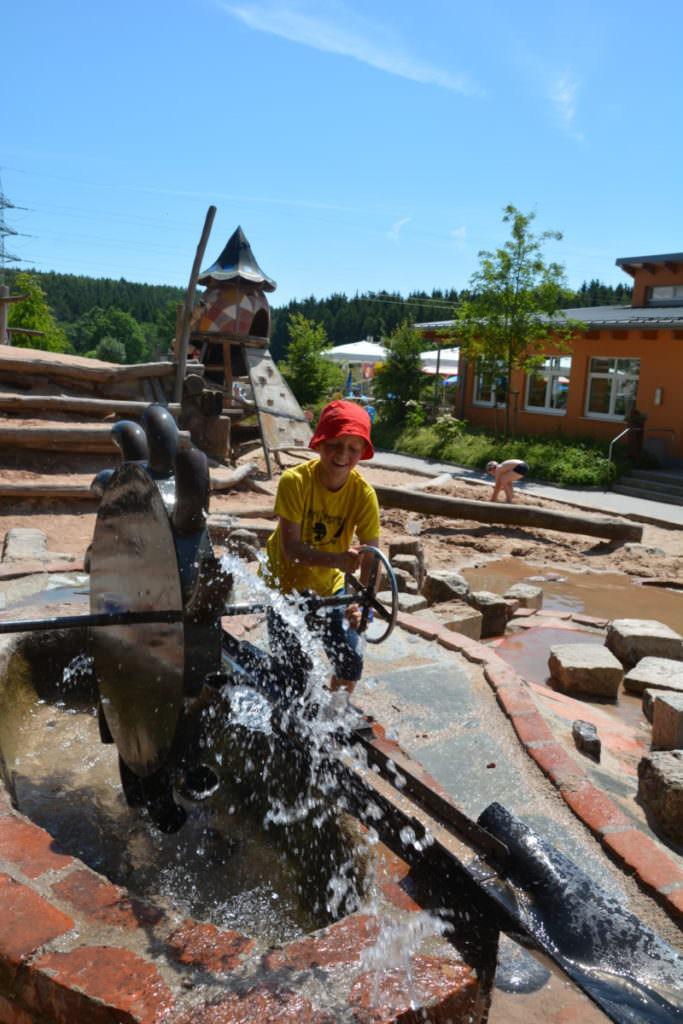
(187, 308)
(4, 292)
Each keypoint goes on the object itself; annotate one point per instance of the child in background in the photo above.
(505, 474)
(320, 506)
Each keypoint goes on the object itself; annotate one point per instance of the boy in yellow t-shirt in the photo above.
(320, 506)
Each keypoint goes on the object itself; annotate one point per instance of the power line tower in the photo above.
(5, 258)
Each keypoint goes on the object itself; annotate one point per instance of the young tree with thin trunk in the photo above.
(34, 314)
(511, 316)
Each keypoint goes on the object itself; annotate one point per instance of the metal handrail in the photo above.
(612, 444)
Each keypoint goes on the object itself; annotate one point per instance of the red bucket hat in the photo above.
(339, 418)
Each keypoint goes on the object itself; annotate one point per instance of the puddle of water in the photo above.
(603, 595)
(528, 652)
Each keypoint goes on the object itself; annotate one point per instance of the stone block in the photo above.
(648, 702)
(445, 585)
(527, 595)
(244, 544)
(410, 547)
(660, 790)
(407, 563)
(460, 617)
(495, 610)
(667, 721)
(655, 674)
(632, 639)
(402, 580)
(585, 670)
(406, 602)
(24, 544)
(586, 738)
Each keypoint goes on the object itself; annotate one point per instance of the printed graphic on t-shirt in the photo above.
(324, 529)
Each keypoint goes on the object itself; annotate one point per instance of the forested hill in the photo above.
(373, 314)
(377, 314)
(69, 296)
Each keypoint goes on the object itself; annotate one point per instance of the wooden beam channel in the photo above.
(506, 514)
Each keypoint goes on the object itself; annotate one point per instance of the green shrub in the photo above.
(569, 462)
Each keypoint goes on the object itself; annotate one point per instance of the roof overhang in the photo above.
(631, 264)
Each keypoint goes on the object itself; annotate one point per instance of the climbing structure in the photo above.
(229, 330)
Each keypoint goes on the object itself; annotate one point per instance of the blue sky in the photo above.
(361, 146)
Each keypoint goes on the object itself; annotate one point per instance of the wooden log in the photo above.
(43, 489)
(70, 404)
(181, 354)
(35, 361)
(67, 437)
(613, 528)
(222, 479)
(433, 481)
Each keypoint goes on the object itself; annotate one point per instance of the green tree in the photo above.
(99, 323)
(34, 314)
(110, 350)
(400, 380)
(307, 373)
(511, 315)
(165, 326)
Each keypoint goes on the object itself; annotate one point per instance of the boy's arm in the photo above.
(367, 562)
(294, 550)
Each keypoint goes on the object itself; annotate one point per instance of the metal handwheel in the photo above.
(367, 596)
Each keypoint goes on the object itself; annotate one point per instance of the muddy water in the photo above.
(220, 868)
(604, 595)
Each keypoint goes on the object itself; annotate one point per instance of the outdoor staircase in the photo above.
(664, 485)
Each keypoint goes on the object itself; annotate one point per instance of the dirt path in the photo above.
(448, 543)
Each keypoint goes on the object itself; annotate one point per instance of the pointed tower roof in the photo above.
(237, 263)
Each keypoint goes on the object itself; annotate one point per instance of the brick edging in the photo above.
(657, 873)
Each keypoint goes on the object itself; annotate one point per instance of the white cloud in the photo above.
(393, 231)
(342, 31)
(564, 95)
(459, 236)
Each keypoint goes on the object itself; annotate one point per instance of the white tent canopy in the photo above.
(356, 352)
(447, 359)
(371, 352)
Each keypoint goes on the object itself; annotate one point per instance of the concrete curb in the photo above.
(657, 873)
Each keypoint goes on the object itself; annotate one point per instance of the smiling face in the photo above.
(338, 457)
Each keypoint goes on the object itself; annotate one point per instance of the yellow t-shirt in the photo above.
(328, 521)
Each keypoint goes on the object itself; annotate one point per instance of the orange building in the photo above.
(626, 358)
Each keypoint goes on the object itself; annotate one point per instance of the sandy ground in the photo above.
(448, 543)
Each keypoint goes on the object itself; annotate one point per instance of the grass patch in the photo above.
(570, 462)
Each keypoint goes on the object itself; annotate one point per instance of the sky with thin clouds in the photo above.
(360, 146)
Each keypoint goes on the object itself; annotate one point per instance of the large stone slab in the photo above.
(495, 610)
(660, 790)
(585, 670)
(445, 585)
(667, 721)
(526, 594)
(655, 674)
(461, 618)
(633, 639)
(24, 544)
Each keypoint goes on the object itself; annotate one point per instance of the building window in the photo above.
(612, 387)
(664, 295)
(490, 385)
(548, 384)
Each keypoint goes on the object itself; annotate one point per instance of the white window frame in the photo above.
(493, 372)
(620, 377)
(552, 369)
(664, 295)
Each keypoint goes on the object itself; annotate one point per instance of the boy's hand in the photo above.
(349, 561)
(353, 616)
